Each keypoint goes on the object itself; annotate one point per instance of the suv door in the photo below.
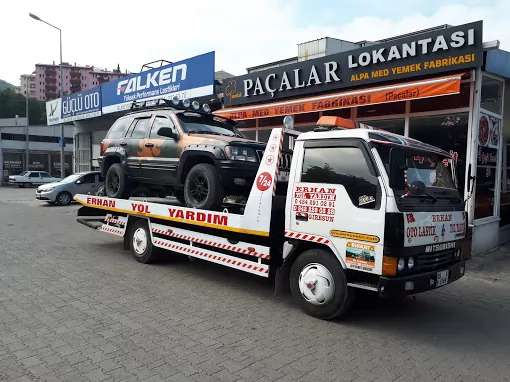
(160, 163)
(134, 144)
(87, 183)
(337, 194)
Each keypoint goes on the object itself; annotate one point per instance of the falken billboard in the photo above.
(187, 79)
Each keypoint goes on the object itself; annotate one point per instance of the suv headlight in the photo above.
(241, 153)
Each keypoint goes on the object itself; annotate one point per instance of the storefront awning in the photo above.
(435, 87)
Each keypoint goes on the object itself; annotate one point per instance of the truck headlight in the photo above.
(241, 153)
(401, 264)
(410, 262)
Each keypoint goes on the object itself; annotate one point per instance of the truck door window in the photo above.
(159, 122)
(141, 127)
(346, 166)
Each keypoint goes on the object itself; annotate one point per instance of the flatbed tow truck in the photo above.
(353, 219)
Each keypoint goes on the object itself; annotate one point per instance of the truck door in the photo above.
(338, 195)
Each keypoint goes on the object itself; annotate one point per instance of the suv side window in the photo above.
(159, 122)
(118, 129)
(346, 166)
(141, 127)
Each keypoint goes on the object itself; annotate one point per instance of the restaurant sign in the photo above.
(438, 51)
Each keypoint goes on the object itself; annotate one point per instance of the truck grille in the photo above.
(432, 261)
(285, 161)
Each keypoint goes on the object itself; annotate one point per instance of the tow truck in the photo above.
(365, 210)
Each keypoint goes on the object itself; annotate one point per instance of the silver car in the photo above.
(62, 192)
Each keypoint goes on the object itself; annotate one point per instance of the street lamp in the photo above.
(26, 114)
(62, 136)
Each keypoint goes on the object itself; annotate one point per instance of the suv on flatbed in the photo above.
(196, 156)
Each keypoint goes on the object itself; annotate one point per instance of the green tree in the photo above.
(12, 104)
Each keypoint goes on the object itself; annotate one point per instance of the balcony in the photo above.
(103, 79)
(50, 87)
(50, 72)
(51, 80)
(75, 80)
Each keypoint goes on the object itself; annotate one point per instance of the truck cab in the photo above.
(388, 207)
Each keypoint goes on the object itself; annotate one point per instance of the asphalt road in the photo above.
(75, 307)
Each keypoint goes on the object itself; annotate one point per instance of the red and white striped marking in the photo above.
(212, 243)
(113, 230)
(257, 269)
(302, 236)
(114, 221)
(279, 161)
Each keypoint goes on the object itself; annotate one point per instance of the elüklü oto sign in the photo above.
(443, 50)
(82, 105)
(185, 79)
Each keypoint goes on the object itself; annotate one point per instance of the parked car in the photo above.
(62, 192)
(196, 156)
(32, 178)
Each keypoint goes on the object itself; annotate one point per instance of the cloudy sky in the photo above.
(243, 33)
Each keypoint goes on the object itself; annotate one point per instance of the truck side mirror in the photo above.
(167, 132)
(398, 164)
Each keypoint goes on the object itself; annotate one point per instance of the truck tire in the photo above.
(141, 243)
(203, 188)
(116, 182)
(319, 284)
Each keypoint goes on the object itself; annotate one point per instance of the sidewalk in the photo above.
(492, 266)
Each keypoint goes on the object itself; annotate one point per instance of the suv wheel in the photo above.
(116, 182)
(203, 188)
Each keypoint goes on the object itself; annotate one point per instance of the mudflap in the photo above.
(281, 281)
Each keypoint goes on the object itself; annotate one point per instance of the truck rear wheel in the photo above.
(203, 188)
(319, 285)
(141, 243)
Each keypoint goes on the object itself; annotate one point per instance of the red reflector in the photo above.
(169, 231)
(251, 249)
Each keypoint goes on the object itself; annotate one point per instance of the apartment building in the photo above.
(75, 79)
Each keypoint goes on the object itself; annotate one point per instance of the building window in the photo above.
(492, 95)
(371, 111)
(396, 126)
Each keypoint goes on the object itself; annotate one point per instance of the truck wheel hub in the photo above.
(140, 241)
(316, 284)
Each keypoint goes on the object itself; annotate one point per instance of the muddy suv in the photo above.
(172, 150)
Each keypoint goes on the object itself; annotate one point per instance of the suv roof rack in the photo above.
(176, 104)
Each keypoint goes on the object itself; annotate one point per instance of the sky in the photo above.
(243, 33)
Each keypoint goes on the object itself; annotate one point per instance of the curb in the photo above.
(477, 262)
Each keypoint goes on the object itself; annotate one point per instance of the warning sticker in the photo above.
(354, 236)
(317, 202)
(360, 256)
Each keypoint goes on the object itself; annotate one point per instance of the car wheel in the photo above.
(27, 185)
(63, 198)
(116, 182)
(21, 186)
(141, 243)
(319, 284)
(203, 188)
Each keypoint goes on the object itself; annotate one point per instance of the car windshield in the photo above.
(23, 173)
(432, 169)
(194, 123)
(71, 178)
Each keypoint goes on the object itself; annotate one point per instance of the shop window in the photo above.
(14, 163)
(247, 123)
(264, 135)
(448, 132)
(492, 95)
(249, 134)
(343, 113)
(271, 122)
(396, 126)
(342, 165)
(382, 109)
(38, 162)
(453, 101)
(504, 211)
(488, 142)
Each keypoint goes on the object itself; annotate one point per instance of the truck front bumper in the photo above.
(422, 282)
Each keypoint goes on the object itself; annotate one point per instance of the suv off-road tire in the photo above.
(116, 176)
(179, 195)
(212, 193)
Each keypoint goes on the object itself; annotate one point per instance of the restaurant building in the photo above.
(444, 86)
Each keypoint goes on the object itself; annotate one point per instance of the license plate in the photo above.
(442, 278)
(283, 176)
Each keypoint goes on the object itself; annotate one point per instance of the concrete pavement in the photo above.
(75, 307)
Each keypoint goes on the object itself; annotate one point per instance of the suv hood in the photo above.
(216, 139)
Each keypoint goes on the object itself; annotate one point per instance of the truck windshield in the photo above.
(194, 123)
(432, 169)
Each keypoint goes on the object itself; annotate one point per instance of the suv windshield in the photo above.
(432, 169)
(194, 123)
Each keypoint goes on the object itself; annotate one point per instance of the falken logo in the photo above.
(53, 109)
(152, 80)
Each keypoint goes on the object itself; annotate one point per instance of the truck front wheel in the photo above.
(319, 285)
